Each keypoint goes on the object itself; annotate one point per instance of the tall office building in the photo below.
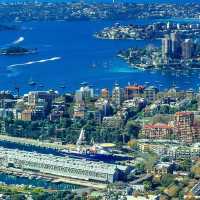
(166, 48)
(175, 45)
(187, 46)
(117, 95)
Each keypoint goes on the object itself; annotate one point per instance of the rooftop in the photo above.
(184, 113)
(152, 126)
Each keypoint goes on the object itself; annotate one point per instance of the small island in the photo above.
(17, 50)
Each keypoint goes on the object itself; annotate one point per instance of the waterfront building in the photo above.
(62, 166)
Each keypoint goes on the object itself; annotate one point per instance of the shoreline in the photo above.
(52, 178)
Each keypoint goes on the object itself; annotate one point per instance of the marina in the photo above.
(33, 180)
(11, 176)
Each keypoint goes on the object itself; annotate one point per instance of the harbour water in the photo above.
(35, 182)
(69, 54)
(110, 1)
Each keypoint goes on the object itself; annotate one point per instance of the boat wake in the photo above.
(16, 42)
(34, 62)
(19, 40)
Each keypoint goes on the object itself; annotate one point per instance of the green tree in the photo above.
(185, 165)
(133, 129)
(140, 166)
(147, 185)
(166, 180)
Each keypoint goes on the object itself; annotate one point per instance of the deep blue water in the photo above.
(15, 180)
(79, 52)
(110, 1)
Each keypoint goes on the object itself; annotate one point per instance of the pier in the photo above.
(64, 168)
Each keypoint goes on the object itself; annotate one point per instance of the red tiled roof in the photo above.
(135, 87)
(184, 113)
